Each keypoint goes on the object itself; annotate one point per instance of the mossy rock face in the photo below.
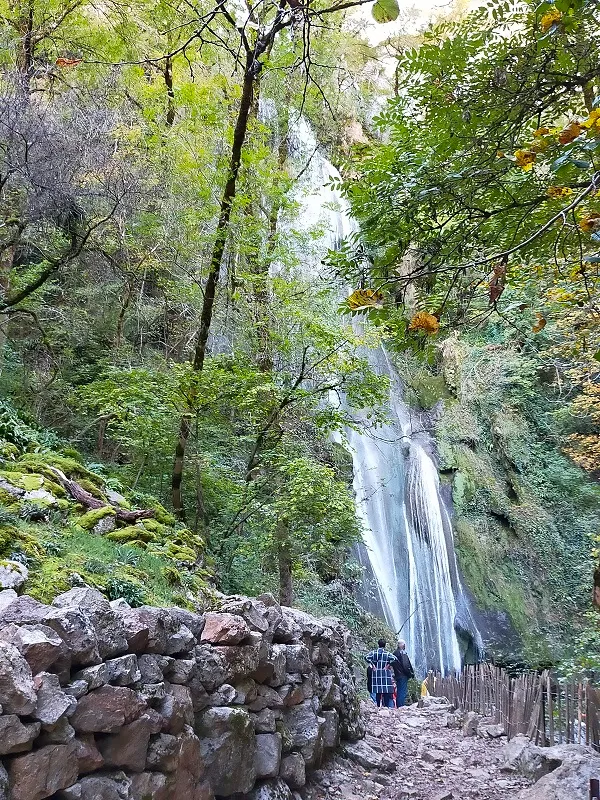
(8, 450)
(132, 534)
(155, 527)
(91, 518)
(43, 462)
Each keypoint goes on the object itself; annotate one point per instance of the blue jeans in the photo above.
(373, 697)
(385, 699)
(401, 689)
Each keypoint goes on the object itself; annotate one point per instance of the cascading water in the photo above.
(408, 543)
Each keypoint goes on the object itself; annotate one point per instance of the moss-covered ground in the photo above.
(64, 544)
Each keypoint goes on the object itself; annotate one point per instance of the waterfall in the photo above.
(408, 546)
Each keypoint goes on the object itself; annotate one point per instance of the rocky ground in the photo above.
(431, 753)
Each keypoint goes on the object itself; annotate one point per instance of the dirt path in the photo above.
(416, 754)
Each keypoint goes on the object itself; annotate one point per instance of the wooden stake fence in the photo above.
(534, 704)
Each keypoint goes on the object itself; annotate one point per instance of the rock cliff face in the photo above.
(101, 701)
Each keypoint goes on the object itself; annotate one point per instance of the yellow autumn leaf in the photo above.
(541, 131)
(593, 121)
(549, 19)
(559, 191)
(423, 321)
(569, 133)
(365, 298)
(525, 158)
(591, 223)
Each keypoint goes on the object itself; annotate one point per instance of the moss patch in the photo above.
(91, 518)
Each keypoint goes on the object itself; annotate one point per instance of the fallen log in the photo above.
(88, 500)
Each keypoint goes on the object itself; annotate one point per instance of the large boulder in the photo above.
(38, 644)
(106, 622)
(293, 770)
(569, 781)
(40, 774)
(267, 759)
(128, 747)
(223, 628)
(303, 731)
(107, 709)
(227, 747)
(17, 693)
(105, 787)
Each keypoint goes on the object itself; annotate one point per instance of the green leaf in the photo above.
(385, 11)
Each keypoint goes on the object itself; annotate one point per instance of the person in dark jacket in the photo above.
(383, 677)
(403, 672)
(370, 684)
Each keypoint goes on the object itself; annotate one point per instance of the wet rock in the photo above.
(38, 644)
(227, 738)
(43, 772)
(223, 628)
(17, 694)
(107, 623)
(51, 701)
(107, 709)
(267, 758)
(16, 737)
(293, 770)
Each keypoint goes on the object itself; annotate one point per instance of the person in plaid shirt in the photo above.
(383, 677)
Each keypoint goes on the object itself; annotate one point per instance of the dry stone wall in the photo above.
(101, 701)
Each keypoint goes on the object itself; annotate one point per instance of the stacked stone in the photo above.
(101, 701)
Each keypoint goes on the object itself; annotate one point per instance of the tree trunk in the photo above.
(170, 92)
(210, 290)
(284, 562)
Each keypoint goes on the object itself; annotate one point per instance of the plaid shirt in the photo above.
(383, 677)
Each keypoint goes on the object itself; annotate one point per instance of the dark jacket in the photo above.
(402, 666)
(369, 679)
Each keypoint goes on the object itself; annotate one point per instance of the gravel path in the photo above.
(416, 754)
